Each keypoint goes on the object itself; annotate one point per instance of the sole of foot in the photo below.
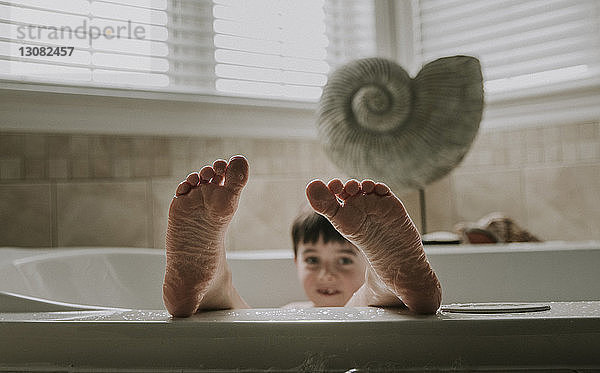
(370, 216)
(197, 276)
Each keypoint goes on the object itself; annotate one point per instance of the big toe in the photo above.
(236, 173)
(322, 199)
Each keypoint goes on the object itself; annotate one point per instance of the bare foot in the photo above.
(370, 216)
(197, 276)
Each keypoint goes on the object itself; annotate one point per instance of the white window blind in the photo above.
(252, 48)
(91, 42)
(521, 44)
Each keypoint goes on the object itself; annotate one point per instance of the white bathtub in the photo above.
(89, 309)
(77, 278)
(132, 277)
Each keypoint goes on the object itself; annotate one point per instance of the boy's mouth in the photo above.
(326, 291)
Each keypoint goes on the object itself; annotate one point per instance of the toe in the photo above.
(367, 186)
(352, 187)
(217, 179)
(381, 189)
(183, 188)
(336, 186)
(322, 199)
(236, 173)
(193, 179)
(206, 174)
(219, 166)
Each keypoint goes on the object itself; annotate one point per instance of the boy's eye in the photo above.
(345, 260)
(311, 260)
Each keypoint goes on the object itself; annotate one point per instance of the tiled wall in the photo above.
(546, 178)
(93, 190)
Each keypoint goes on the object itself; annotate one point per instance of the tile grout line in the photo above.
(53, 214)
(150, 214)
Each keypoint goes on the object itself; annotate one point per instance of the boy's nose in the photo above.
(327, 273)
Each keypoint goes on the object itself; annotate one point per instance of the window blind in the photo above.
(251, 48)
(521, 44)
(93, 42)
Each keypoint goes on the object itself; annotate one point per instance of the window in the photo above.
(536, 55)
(251, 48)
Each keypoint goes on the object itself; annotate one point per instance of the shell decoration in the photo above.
(375, 121)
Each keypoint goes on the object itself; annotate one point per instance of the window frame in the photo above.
(528, 107)
(228, 115)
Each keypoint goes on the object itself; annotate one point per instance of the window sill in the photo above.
(565, 103)
(49, 109)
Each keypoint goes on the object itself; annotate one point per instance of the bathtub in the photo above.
(89, 309)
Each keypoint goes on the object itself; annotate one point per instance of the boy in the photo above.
(367, 214)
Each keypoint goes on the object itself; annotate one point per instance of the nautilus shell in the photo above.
(375, 121)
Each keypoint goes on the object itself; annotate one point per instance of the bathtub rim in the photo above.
(437, 249)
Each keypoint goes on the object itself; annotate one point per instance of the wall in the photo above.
(546, 178)
(114, 190)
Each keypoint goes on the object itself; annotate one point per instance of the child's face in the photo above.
(330, 272)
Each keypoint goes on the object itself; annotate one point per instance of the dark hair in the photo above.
(309, 226)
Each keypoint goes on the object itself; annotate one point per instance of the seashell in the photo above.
(375, 121)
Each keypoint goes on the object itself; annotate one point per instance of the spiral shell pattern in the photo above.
(375, 121)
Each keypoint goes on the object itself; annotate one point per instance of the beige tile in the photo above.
(320, 164)
(589, 150)
(534, 137)
(80, 168)
(179, 146)
(35, 169)
(204, 151)
(483, 139)
(161, 147)
(265, 214)
(102, 214)
(410, 200)
(486, 157)
(101, 167)
(589, 131)
(439, 202)
(161, 167)
(551, 135)
(179, 158)
(123, 147)
(553, 152)
(470, 160)
(142, 167)
(58, 146)
(284, 157)
(569, 152)
(122, 168)
(478, 194)
(500, 157)
(101, 146)
(563, 203)
(266, 155)
(180, 167)
(569, 132)
(515, 154)
(142, 146)
(535, 154)
(11, 145)
(162, 194)
(25, 213)
(241, 146)
(58, 168)
(11, 168)
(79, 146)
(35, 146)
